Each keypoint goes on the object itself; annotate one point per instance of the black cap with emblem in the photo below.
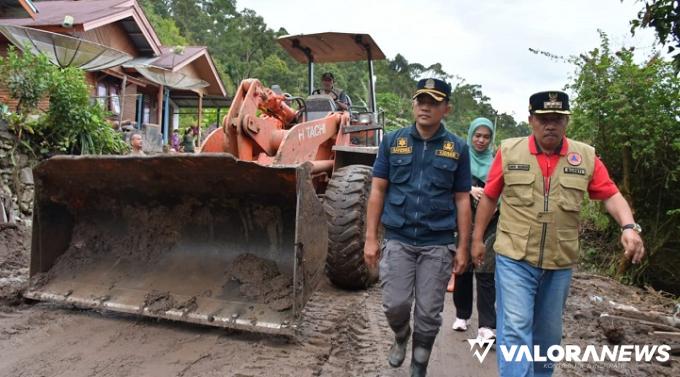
(436, 88)
(549, 102)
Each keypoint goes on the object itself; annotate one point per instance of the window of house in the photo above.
(108, 95)
(114, 100)
(101, 93)
(147, 109)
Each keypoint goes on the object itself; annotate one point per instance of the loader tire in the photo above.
(345, 204)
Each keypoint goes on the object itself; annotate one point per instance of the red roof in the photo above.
(90, 14)
(197, 55)
(170, 60)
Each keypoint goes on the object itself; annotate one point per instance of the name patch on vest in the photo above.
(546, 217)
(579, 171)
(525, 167)
(448, 150)
(402, 147)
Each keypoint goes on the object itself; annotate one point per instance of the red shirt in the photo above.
(600, 187)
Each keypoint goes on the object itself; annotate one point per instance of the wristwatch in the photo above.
(635, 226)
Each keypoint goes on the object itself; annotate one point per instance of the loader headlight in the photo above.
(365, 118)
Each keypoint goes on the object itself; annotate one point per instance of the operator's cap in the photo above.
(549, 102)
(437, 89)
(327, 75)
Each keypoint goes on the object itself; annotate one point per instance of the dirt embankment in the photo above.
(601, 311)
(14, 254)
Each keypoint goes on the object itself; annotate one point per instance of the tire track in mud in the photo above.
(340, 333)
(359, 345)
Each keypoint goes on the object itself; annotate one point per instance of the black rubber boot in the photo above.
(398, 349)
(420, 355)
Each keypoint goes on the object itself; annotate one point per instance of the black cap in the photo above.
(549, 102)
(437, 89)
(327, 75)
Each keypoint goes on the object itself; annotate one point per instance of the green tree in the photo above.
(165, 27)
(75, 124)
(631, 114)
(506, 127)
(397, 110)
(664, 17)
(275, 70)
(27, 78)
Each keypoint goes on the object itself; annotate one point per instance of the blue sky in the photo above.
(485, 42)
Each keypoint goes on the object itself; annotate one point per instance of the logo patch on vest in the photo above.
(448, 150)
(574, 159)
(525, 167)
(402, 147)
(579, 171)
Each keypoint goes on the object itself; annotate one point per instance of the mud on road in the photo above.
(14, 254)
(340, 334)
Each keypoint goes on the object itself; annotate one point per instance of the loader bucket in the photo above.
(205, 239)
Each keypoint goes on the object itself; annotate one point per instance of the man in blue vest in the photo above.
(420, 192)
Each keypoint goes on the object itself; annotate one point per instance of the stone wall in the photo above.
(16, 181)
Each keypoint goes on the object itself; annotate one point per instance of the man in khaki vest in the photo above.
(541, 181)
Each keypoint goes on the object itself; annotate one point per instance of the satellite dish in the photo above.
(63, 50)
(176, 80)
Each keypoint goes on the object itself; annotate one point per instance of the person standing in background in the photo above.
(188, 141)
(480, 139)
(136, 143)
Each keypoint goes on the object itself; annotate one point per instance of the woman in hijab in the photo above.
(480, 139)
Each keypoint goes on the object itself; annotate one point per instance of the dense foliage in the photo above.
(73, 123)
(631, 114)
(664, 17)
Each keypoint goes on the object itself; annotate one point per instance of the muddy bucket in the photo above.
(204, 239)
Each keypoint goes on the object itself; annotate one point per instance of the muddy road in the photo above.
(341, 334)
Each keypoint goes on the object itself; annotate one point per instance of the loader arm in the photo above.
(245, 134)
(273, 137)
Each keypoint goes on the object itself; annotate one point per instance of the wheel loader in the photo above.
(236, 236)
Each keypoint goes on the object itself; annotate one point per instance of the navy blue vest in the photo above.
(419, 206)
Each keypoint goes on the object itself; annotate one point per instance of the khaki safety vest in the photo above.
(540, 225)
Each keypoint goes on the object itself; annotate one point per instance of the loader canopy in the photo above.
(197, 238)
(331, 47)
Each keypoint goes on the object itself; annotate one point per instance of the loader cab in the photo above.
(318, 106)
(366, 125)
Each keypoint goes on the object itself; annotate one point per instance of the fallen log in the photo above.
(652, 316)
(655, 325)
(665, 333)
